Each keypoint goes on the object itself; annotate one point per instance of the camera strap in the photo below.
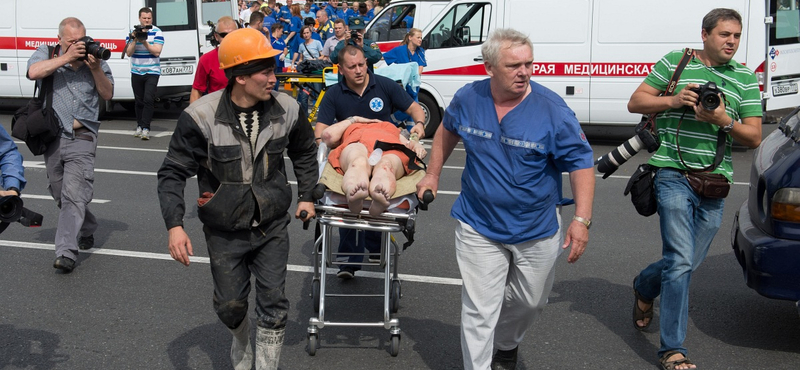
(46, 90)
(688, 53)
(722, 137)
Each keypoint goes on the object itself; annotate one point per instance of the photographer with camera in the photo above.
(356, 38)
(689, 133)
(144, 44)
(71, 157)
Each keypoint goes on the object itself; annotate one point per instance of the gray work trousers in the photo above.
(70, 171)
(505, 288)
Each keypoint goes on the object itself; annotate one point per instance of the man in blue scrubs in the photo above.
(519, 137)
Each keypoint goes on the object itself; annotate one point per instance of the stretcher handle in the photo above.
(304, 214)
(427, 198)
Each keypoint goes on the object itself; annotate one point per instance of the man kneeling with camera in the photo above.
(716, 100)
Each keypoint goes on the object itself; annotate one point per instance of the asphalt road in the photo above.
(127, 305)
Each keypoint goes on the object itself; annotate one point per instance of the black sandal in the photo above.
(670, 365)
(638, 313)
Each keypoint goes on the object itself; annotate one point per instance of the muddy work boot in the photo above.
(241, 349)
(268, 348)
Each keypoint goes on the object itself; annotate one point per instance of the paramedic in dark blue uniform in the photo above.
(362, 94)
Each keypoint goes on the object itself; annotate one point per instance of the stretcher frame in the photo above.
(332, 212)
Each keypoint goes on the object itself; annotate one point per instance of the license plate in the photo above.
(784, 89)
(177, 70)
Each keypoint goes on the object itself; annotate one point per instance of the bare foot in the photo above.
(644, 307)
(380, 200)
(355, 190)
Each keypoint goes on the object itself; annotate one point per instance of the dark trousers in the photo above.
(234, 255)
(366, 239)
(144, 91)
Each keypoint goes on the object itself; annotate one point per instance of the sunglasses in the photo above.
(222, 34)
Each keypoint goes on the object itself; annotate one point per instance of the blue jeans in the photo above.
(371, 240)
(688, 225)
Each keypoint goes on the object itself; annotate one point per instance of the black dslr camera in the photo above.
(93, 48)
(12, 210)
(140, 32)
(708, 95)
(355, 35)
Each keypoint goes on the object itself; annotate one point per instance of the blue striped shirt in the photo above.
(142, 62)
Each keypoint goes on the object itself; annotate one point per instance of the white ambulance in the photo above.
(391, 24)
(25, 25)
(593, 53)
(782, 70)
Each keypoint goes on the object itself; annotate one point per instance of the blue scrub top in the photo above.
(511, 181)
(400, 54)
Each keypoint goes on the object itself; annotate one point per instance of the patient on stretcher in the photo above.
(353, 143)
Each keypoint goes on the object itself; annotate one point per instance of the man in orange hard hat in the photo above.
(233, 140)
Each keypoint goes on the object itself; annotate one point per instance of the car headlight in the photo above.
(786, 205)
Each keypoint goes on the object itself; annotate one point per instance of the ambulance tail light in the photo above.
(760, 76)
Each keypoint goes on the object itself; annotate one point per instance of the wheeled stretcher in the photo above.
(332, 212)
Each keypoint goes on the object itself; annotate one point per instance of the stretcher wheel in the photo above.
(394, 298)
(315, 285)
(312, 344)
(394, 345)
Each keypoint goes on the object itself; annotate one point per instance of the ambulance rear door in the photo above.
(9, 64)
(782, 70)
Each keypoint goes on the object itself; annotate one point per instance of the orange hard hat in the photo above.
(243, 46)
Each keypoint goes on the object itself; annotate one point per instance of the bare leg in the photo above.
(355, 183)
(384, 182)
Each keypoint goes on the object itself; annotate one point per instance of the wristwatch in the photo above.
(585, 222)
(729, 127)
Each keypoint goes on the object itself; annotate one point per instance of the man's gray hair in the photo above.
(70, 21)
(498, 38)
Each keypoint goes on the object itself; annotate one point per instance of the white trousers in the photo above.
(505, 288)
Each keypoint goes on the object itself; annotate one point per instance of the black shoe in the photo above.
(86, 242)
(346, 273)
(64, 264)
(505, 360)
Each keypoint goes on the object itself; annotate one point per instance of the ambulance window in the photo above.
(463, 25)
(393, 24)
(786, 27)
(174, 15)
(213, 11)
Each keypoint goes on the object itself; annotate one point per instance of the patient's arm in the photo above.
(332, 136)
(415, 146)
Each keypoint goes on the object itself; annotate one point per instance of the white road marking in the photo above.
(205, 260)
(47, 197)
(130, 133)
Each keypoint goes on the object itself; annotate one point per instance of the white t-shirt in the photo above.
(245, 15)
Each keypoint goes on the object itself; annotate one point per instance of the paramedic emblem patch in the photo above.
(376, 104)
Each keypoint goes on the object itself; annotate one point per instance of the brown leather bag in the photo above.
(710, 185)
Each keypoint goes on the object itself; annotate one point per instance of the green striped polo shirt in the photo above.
(698, 140)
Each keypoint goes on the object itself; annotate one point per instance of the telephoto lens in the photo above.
(609, 163)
